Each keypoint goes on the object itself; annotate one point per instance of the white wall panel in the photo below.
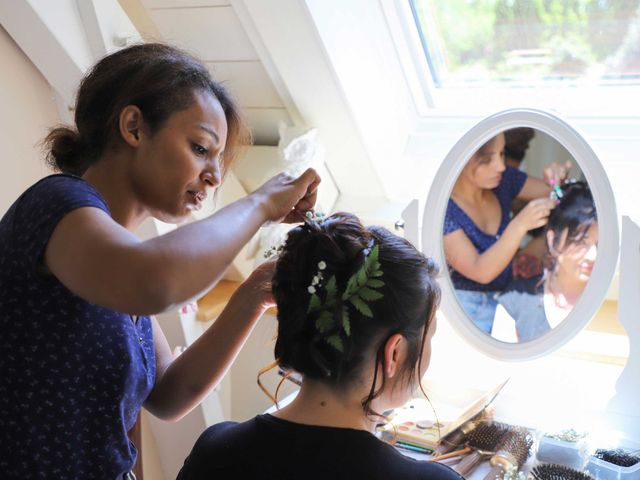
(249, 83)
(28, 110)
(264, 124)
(212, 33)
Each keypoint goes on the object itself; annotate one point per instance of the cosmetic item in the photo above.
(511, 454)
(459, 437)
(564, 447)
(614, 464)
(551, 471)
(484, 441)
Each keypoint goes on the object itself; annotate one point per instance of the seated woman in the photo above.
(356, 316)
(480, 237)
(540, 303)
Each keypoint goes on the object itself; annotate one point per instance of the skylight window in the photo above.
(526, 43)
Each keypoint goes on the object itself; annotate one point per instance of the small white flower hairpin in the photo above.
(311, 216)
(316, 281)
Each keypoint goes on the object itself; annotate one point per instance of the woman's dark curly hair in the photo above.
(160, 80)
(411, 297)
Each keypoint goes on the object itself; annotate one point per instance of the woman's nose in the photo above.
(592, 253)
(211, 174)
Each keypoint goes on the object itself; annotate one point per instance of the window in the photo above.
(569, 50)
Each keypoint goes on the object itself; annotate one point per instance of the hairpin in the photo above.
(316, 281)
(556, 193)
(312, 216)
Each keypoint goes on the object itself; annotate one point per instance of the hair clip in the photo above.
(312, 216)
(556, 193)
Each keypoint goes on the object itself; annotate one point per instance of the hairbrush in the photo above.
(551, 471)
(618, 457)
(460, 435)
(512, 452)
(484, 441)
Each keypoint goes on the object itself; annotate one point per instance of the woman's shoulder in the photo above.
(511, 183)
(522, 295)
(522, 289)
(61, 190)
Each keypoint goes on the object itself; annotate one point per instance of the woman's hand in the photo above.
(286, 199)
(535, 214)
(257, 287)
(555, 173)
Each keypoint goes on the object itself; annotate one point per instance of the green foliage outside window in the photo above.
(531, 40)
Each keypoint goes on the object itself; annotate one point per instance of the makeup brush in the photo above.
(484, 441)
(460, 435)
(512, 452)
(552, 471)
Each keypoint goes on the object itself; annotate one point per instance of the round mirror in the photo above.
(523, 217)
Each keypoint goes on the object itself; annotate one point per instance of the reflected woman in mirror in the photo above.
(480, 237)
(356, 314)
(540, 303)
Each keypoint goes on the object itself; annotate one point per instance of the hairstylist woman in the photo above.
(480, 237)
(80, 356)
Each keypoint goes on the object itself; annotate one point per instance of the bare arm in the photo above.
(554, 174)
(181, 384)
(102, 262)
(484, 267)
(533, 188)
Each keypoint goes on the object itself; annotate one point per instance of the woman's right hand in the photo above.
(535, 214)
(286, 199)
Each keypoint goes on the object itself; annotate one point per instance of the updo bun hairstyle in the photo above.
(160, 80)
(410, 299)
(575, 213)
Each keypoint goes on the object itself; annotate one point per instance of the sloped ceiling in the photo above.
(213, 31)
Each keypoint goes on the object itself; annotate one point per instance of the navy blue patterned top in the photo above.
(73, 375)
(510, 185)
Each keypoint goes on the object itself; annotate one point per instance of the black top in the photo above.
(524, 301)
(267, 447)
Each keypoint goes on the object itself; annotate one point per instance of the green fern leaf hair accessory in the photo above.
(362, 289)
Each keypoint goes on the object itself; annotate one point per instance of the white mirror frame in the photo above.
(608, 242)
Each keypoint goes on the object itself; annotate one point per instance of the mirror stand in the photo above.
(623, 408)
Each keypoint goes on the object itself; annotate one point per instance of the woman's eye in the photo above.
(199, 149)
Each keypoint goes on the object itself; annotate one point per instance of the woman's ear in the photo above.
(395, 353)
(130, 125)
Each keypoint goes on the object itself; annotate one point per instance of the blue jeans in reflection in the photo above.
(480, 306)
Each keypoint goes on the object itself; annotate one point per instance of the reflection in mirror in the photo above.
(520, 235)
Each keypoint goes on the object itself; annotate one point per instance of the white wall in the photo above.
(27, 110)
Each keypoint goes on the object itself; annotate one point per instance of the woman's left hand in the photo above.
(556, 173)
(257, 286)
